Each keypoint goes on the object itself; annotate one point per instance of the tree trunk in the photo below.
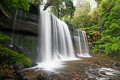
(71, 17)
(58, 14)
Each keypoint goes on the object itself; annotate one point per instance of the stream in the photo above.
(84, 69)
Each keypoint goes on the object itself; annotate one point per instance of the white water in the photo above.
(81, 43)
(109, 71)
(55, 43)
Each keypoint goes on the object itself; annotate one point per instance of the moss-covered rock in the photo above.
(9, 57)
(4, 38)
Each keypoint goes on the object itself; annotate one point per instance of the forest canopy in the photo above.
(23, 4)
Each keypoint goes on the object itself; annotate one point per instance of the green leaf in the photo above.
(115, 47)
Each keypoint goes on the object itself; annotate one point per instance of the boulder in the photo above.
(103, 72)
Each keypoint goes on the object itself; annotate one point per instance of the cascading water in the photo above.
(14, 25)
(17, 41)
(62, 42)
(55, 43)
(81, 43)
(45, 47)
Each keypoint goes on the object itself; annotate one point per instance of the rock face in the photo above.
(22, 27)
(26, 23)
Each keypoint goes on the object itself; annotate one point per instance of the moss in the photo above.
(4, 38)
(9, 57)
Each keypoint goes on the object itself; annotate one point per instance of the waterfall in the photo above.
(55, 44)
(17, 41)
(45, 48)
(14, 25)
(81, 43)
(62, 42)
(55, 41)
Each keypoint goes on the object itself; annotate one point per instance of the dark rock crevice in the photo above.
(27, 24)
(23, 31)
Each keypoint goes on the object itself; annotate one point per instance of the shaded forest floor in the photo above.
(94, 68)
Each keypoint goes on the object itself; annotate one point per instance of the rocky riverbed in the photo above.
(94, 68)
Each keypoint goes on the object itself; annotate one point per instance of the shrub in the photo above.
(9, 57)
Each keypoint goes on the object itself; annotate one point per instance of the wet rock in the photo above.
(7, 77)
(18, 66)
(91, 79)
(106, 65)
(41, 77)
(2, 76)
(37, 68)
(103, 72)
(80, 76)
(34, 64)
(97, 62)
(117, 64)
(96, 74)
(10, 76)
(11, 66)
(21, 76)
(110, 79)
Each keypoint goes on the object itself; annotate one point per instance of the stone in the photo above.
(96, 74)
(41, 77)
(91, 79)
(18, 66)
(10, 76)
(97, 62)
(117, 64)
(11, 66)
(34, 64)
(21, 76)
(103, 72)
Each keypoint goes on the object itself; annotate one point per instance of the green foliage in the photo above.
(82, 20)
(115, 13)
(9, 57)
(57, 6)
(82, 8)
(102, 26)
(63, 9)
(22, 4)
(98, 1)
(4, 38)
(113, 45)
(105, 8)
(110, 14)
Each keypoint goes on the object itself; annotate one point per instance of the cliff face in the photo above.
(26, 23)
(25, 27)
